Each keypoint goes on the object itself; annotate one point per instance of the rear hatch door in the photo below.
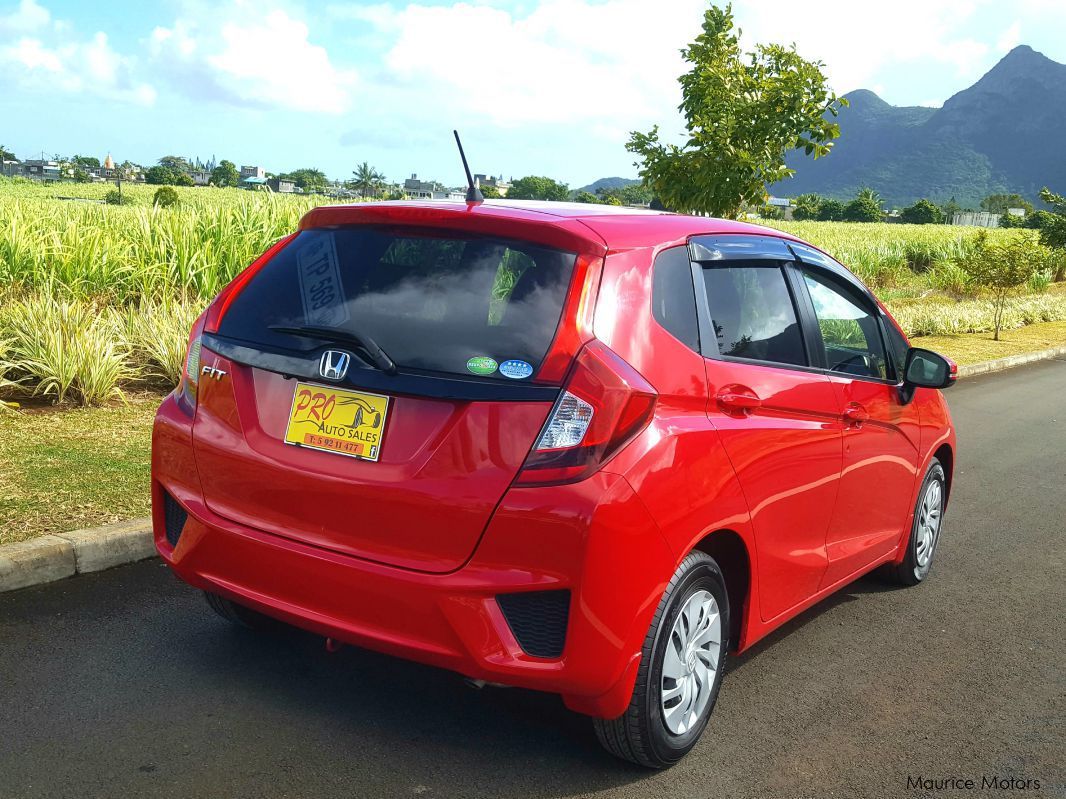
(311, 435)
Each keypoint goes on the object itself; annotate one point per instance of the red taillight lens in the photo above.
(604, 404)
(228, 294)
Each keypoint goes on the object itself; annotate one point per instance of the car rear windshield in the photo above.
(444, 303)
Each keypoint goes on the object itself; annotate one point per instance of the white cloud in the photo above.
(564, 62)
(57, 61)
(28, 17)
(1010, 38)
(251, 57)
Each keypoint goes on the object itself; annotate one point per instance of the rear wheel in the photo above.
(925, 529)
(681, 669)
(239, 614)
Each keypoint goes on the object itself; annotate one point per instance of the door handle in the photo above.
(738, 399)
(855, 414)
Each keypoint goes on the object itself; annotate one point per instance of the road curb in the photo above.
(54, 557)
(999, 364)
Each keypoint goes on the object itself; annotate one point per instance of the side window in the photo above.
(849, 331)
(673, 298)
(752, 312)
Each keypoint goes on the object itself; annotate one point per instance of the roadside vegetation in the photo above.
(97, 299)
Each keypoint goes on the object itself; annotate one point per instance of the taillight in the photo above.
(190, 377)
(603, 405)
(228, 294)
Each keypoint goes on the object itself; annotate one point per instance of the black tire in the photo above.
(640, 735)
(238, 614)
(912, 571)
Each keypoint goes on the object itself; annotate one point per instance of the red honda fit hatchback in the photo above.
(574, 448)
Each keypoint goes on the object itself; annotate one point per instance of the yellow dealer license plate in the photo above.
(337, 420)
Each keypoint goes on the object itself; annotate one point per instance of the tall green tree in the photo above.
(999, 203)
(307, 178)
(6, 154)
(1053, 224)
(831, 211)
(922, 212)
(807, 206)
(175, 162)
(534, 187)
(367, 181)
(225, 174)
(743, 113)
(1001, 268)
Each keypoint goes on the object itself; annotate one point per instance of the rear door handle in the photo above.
(855, 414)
(738, 399)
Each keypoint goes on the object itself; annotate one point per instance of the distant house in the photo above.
(11, 169)
(782, 203)
(429, 190)
(200, 177)
(37, 169)
(488, 181)
(253, 172)
(253, 182)
(281, 186)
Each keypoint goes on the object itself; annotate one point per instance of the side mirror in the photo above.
(926, 369)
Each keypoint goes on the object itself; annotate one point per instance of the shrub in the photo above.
(64, 348)
(1002, 268)
(165, 197)
(922, 212)
(862, 209)
(831, 211)
(116, 197)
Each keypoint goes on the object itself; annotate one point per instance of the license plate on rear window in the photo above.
(337, 420)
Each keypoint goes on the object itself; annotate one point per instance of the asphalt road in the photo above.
(124, 683)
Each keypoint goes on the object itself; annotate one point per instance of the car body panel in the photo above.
(785, 481)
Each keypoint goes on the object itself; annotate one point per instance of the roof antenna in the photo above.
(473, 193)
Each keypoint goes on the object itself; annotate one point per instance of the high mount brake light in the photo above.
(604, 404)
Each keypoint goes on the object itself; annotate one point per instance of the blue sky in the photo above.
(535, 86)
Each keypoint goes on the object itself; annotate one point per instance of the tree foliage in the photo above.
(999, 203)
(225, 174)
(806, 206)
(922, 212)
(866, 207)
(533, 187)
(165, 176)
(175, 162)
(742, 112)
(1053, 225)
(831, 211)
(6, 154)
(367, 181)
(308, 178)
(165, 197)
(1000, 268)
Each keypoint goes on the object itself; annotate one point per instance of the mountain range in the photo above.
(1006, 133)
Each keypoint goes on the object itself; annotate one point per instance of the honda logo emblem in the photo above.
(334, 364)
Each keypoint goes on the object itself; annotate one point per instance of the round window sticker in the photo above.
(516, 370)
(481, 365)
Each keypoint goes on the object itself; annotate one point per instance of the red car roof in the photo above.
(576, 226)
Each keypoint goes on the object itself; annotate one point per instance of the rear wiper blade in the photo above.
(360, 341)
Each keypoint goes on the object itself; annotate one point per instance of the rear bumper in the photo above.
(597, 541)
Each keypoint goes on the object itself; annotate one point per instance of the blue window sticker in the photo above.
(516, 370)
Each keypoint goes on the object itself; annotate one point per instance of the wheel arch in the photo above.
(946, 456)
(728, 549)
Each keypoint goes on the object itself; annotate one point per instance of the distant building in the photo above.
(200, 177)
(253, 172)
(976, 219)
(784, 204)
(11, 169)
(1019, 212)
(429, 190)
(491, 182)
(253, 182)
(281, 186)
(37, 169)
